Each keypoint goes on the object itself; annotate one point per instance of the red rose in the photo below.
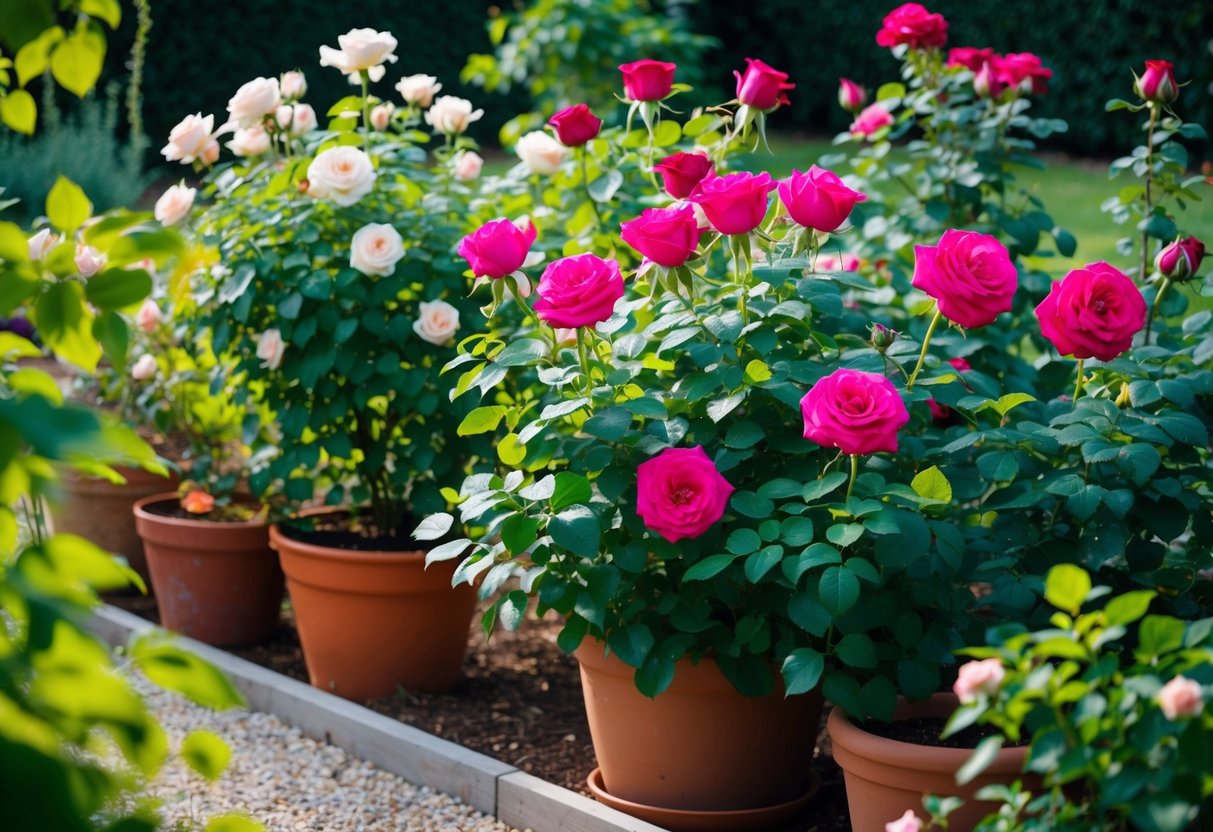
(667, 236)
(1093, 312)
(854, 411)
(647, 80)
(1181, 259)
(762, 86)
(679, 493)
(1157, 83)
(734, 203)
(682, 172)
(575, 125)
(970, 57)
(818, 199)
(969, 274)
(1024, 71)
(914, 26)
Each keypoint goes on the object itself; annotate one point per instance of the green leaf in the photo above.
(233, 823)
(844, 534)
(107, 10)
(572, 634)
(757, 372)
(206, 753)
(743, 541)
(76, 62)
(482, 420)
(1005, 404)
(518, 532)
(1128, 607)
(838, 589)
(709, 567)
(65, 325)
(983, 755)
(932, 485)
(570, 489)
(609, 424)
(173, 668)
(433, 527)
(802, 670)
(34, 57)
(1160, 634)
(819, 488)
(760, 563)
(577, 530)
(13, 245)
(606, 186)
(743, 435)
(112, 333)
(18, 111)
(511, 451)
(856, 650)
(512, 609)
(655, 676)
(118, 288)
(67, 207)
(631, 644)
(520, 352)
(1067, 586)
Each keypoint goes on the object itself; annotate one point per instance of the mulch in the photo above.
(519, 702)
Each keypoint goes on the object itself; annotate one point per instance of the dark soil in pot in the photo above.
(927, 731)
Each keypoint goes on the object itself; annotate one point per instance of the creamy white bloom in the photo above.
(452, 115)
(297, 119)
(343, 174)
(359, 49)
(540, 152)
(270, 349)
(293, 85)
(254, 101)
(376, 249)
(250, 141)
(149, 316)
(381, 115)
(373, 74)
(437, 321)
(418, 89)
(89, 260)
(41, 244)
(174, 204)
(190, 139)
(144, 368)
(210, 154)
(468, 164)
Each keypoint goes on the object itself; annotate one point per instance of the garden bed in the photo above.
(519, 702)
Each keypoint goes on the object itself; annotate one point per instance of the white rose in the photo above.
(254, 101)
(89, 260)
(144, 368)
(41, 244)
(381, 116)
(376, 249)
(343, 174)
(467, 165)
(373, 74)
(437, 321)
(270, 349)
(250, 141)
(359, 49)
(149, 316)
(452, 115)
(298, 119)
(293, 84)
(174, 204)
(190, 139)
(418, 89)
(540, 152)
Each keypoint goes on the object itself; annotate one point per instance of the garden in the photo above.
(593, 417)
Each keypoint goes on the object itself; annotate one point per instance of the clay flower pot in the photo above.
(218, 582)
(372, 622)
(100, 510)
(886, 777)
(700, 755)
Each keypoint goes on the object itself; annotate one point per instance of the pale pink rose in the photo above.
(210, 154)
(541, 153)
(358, 50)
(909, 822)
(418, 89)
(89, 260)
(343, 174)
(42, 243)
(1181, 697)
(451, 115)
(144, 369)
(190, 139)
(254, 101)
(270, 349)
(250, 141)
(381, 115)
(296, 119)
(149, 316)
(468, 164)
(174, 204)
(293, 85)
(976, 678)
(837, 263)
(376, 249)
(437, 322)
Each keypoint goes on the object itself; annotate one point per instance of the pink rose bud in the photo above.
(1093, 312)
(647, 80)
(149, 316)
(145, 368)
(762, 85)
(679, 493)
(883, 337)
(468, 164)
(970, 57)
(851, 96)
(293, 85)
(578, 291)
(987, 83)
(1181, 259)
(1023, 71)
(497, 248)
(381, 115)
(854, 411)
(89, 260)
(271, 348)
(969, 274)
(874, 117)
(1158, 83)
(977, 679)
(960, 364)
(734, 203)
(667, 236)
(817, 199)
(914, 26)
(909, 822)
(1181, 697)
(682, 172)
(575, 125)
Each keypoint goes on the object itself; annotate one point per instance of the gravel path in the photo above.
(291, 782)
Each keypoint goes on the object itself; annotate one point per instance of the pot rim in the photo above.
(279, 540)
(140, 509)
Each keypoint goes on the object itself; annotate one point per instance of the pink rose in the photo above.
(854, 411)
(913, 25)
(667, 236)
(1181, 259)
(970, 57)
(1180, 697)
(909, 822)
(817, 199)
(149, 316)
(987, 83)
(970, 275)
(851, 96)
(467, 165)
(575, 125)
(497, 248)
(681, 173)
(647, 80)
(873, 118)
(1158, 83)
(734, 203)
(977, 678)
(762, 85)
(1093, 312)
(578, 291)
(845, 262)
(89, 260)
(679, 493)
(1024, 71)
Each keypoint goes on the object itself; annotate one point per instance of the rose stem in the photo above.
(922, 356)
(1078, 384)
(1162, 290)
(854, 474)
(582, 153)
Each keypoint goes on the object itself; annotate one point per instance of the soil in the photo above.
(519, 702)
(336, 530)
(223, 514)
(927, 730)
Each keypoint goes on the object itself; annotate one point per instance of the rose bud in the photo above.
(647, 80)
(681, 173)
(1180, 260)
(851, 96)
(883, 337)
(575, 125)
(1157, 83)
(762, 85)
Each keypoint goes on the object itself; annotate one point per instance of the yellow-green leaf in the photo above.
(107, 10)
(13, 244)
(1010, 401)
(18, 111)
(206, 753)
(233, 823)
(511, 451)
(757, 372)
(76, 62)
(67, 206)
(931, 484)
(33, 58)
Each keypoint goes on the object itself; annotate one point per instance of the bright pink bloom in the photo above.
(851, 96)
(873, 118)
(734, 203)
(578, 291)
(854, 411)
(818, 199)
(575, 125)
(1093, 312)
(1024, 71)
(1181, 259)
(970, 275)
(667, 236)
(679, 493)
(762, 85)
(1158, 83)
(647, 80)
(909, 822)
(497, 248)
(913, 25)
(970, 57)
(682, 172)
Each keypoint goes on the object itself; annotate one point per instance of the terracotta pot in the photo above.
(217, 582)
(373, 622)
(100, 510)
(700, 746)
(886, 777)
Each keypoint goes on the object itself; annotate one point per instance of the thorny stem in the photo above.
(922, 356)
(1145, 236)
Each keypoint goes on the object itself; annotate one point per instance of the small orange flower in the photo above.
(198, 502)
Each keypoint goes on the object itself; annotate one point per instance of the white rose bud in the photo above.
(89, 260)
(467, 165)
(293, 85)
(254, 101)
(437, 321)
(297, 119)
(42, 243)
(540, 152)
(149, 316)
(381, 116)
(376, 249)
(250, 141)
(270, 349)
(174, 204)
(451, 115)
(418, 90)
(190, 139)
(343, 174)
(144, 368)
(359, 49)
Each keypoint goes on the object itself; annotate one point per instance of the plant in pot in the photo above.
(338, 303)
